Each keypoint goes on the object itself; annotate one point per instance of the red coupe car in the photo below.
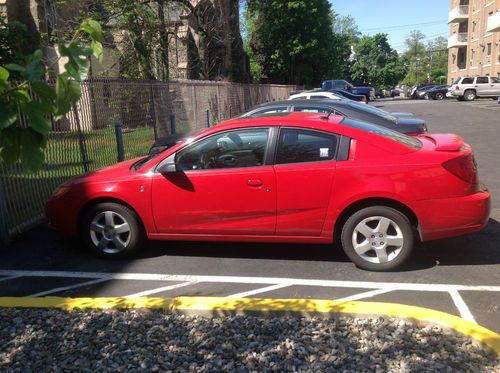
(294, 177)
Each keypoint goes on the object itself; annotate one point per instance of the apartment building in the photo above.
(474, 39)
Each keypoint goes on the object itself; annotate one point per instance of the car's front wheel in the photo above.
(112, 230)
(438, 96)
(377, 238)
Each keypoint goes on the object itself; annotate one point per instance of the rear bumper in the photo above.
(441, 218)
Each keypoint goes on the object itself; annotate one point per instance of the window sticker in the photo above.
(324, 152)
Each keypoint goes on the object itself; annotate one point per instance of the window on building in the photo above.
(488, 49)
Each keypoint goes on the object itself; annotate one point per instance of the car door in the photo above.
(223, 186)
(482, 86)
(305, 168)
(495, 86)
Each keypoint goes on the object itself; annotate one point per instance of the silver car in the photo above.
(468, 88)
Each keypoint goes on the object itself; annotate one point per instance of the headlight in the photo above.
(60, 191)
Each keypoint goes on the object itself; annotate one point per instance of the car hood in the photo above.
(112, 172)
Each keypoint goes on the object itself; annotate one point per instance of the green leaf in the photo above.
(15, 67)
(34, 69)
(46, 94)
(20, 95)
(37, 116)
(8, 116)
(78, 64)
(32, 155)
(10, 153)
(97, 50)
(67, 91)
(4, 74)
(93, 28)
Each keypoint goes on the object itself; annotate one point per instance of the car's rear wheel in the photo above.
(377, 238)
(112, 230)
(438, 96)
(469, 95)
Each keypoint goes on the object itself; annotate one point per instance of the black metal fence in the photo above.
(88, 137)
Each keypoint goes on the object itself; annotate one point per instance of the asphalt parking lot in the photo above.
(460, 276)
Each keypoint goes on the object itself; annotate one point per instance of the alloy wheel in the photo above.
(377, 239)
(110, 232)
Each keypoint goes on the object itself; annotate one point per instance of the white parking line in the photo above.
(159, 290)
(366, 294)
(258, 291)
(57, 290)
(256, 280)
(461, 306)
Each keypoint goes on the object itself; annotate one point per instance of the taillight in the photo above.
(363, 99)
(463, 167)
(457, 88)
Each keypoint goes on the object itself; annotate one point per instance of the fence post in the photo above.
(4, 231)
(81, 140)
(119, 141)
(172, 124)
(207, 118)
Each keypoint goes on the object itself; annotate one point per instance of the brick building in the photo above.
(474, 40)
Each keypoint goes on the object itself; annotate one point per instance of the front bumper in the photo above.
(449, 217)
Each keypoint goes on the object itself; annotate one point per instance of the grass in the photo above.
(26, 192)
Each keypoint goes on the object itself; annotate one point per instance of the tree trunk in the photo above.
(25, 11)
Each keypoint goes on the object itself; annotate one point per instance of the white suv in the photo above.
(468, 88)
(312, 95)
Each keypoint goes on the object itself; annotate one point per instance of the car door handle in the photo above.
(254, 182)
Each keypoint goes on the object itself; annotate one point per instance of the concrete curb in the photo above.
(222, 306)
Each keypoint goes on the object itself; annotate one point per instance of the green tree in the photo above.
(27, 143)
(376, 63)
(417, 58)
(293, 40)
(346, 35)
(437, 51)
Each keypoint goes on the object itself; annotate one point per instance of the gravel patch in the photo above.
(40, 340)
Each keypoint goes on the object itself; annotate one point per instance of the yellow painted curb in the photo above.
(303, 306)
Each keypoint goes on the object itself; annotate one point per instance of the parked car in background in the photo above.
(350, 109)
(350, 96)
(271, 180)
(439, 92)
(166, 142)
(368, 92)
(420, 93)
(468, 88)
(316, 95)
(419, 87)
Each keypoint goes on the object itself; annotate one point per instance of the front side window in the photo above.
(298, 145)
(495, 79)
(238, 148)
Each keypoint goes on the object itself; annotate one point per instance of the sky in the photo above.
(397, 17)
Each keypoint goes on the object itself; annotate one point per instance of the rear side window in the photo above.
(270, 110)
(314, 97)
(495, 80)
(468, 81)
(482, 80)
(298, 146)
(311, 109)
(401, 138)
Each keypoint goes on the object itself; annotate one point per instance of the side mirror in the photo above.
(167, 168)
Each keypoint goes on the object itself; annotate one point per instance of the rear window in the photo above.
(457, 80)
(398, 137)
(376, 111)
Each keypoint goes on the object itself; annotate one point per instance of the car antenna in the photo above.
(326, 117)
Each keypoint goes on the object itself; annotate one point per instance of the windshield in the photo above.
(376, 111)
(401, 138)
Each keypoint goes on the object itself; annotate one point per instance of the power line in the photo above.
(404, 26)
(427, 38)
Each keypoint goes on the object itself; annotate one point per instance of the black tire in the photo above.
(460, 98)
(469, 95)
(397, 255)
(438, 96)
(98, 214)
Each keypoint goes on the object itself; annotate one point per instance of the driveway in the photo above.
(460, 276)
